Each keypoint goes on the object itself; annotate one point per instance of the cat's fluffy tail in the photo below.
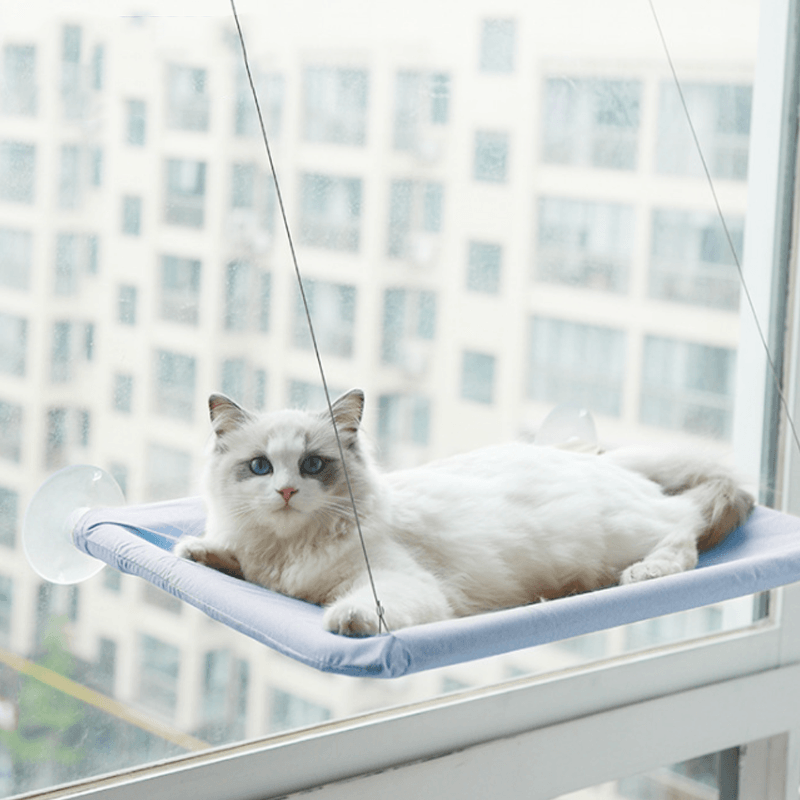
(714, 487)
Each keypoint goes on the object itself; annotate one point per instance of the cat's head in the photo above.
(283, 470)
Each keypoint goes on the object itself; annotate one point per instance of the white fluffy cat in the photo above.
(489, 529)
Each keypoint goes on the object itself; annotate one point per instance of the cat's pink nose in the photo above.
(287, 493)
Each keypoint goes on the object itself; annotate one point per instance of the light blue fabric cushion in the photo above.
(763, 554)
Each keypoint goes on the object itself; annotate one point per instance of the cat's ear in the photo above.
(225, 414)
(347, 411)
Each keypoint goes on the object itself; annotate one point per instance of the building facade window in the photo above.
(175, 376)
(409, 325)
(70, 185)
(421, 105)
(477, 377)
(96, 166)
(253, 204)
(687, 386)
(168, 473)
(270, 90)
(234, 378)
(225, 692)
(17, 172)
(73, 88)
(569, 362)
(415, 219)
(123, 393)
(244, 384)
(185, 192)
(13, 344)
(335, 105)
(721, 118)
(18, 91)
(691, 259)
(333, 313)
(9, 514)
(248, 293)
(97, 67)
(403, 419)
(180, 290)
(310, 396)
(290, 711)
(132, 215)
(76, 255)
(498, 45)
(484, 267)
(243, 185)
(490, 164)
(159, 670)
(135, 122)
(591, 122)
(11, 421)
(62, 360)
(584, 243)
(187, 98)
(16, 250)
(330, 212)
(126, 305)
(55, 448)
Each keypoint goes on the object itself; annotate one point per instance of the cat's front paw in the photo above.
(349, 619)
(647, 570)
(222, 560)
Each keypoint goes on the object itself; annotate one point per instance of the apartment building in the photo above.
(487, 224)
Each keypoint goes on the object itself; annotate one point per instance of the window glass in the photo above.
(15, 258)
(477, 377)
(136, 122)
(17, 171)
(483, 267)
(584, 243)
(185, 192)
(721, 117)
(492, 215)
(332, 307)
(335, 105)
(591, 122)
(18, 94)
(497, 45)
(180, 289)
(132, 215)
(713, 775)
(491, 156)
(13, 344)
(187, 99)
(330, 212)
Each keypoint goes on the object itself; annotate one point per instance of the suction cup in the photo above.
(568, 425)
(52, 515)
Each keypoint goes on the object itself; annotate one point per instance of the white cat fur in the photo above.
(493, 528)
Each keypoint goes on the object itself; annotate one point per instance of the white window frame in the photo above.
(541, 736)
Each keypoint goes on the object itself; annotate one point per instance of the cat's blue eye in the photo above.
(312, 465)
(260, 466)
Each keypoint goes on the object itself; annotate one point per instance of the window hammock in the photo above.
(762, 554)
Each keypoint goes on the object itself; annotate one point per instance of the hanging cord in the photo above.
(378, 607)
(773, 368)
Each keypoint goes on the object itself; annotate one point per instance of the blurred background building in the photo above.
(496, 209)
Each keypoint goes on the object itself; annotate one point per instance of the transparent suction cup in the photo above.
(52, 515)
(569, 426)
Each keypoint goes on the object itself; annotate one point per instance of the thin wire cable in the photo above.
(773, 368)
(378, 607)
